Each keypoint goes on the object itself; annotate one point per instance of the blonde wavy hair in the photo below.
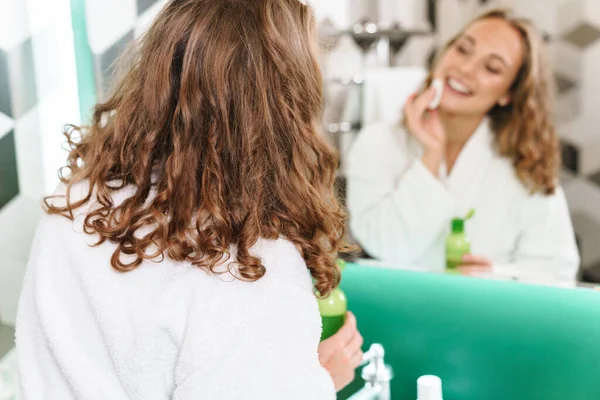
(216, 127)
(525, 131)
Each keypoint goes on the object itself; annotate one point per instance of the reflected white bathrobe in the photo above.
(401, 213)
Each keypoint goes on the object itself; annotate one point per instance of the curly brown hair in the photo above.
(524, 128)
(216, 124)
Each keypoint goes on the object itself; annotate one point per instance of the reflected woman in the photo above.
(490, 145)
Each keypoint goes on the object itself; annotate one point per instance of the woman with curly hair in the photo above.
(195, 219)
(489, 144)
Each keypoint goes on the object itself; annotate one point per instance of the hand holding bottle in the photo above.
(474, 265)
(341, 354)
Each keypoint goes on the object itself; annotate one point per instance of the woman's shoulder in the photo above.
(283, 263)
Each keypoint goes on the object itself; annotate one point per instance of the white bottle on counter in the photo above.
(429, 387)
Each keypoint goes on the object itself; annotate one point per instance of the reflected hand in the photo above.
(341, 354)
(475, 265)
(426, 126)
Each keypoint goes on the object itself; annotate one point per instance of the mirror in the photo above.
(534, 202)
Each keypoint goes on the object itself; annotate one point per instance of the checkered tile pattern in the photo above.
(38, 94)
(572, 30)
(110, 33)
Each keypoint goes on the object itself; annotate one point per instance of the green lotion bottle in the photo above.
(457, 243)
(333, 310)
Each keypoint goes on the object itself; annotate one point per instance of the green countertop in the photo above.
(487, 340)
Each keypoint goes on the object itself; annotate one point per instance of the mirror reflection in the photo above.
(456, 152)
(468, 181)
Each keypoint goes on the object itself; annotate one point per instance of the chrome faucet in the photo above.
(376, 374)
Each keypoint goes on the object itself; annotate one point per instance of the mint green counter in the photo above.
(487, 340)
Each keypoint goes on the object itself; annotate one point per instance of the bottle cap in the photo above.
(429, 387)
(458, 225)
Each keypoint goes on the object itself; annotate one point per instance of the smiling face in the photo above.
(479, 68)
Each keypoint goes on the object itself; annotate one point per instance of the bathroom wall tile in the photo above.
(543, 15)
(583, 35)
(563, 83)
(22, 214)
(590, 81)
(105, 63)
(12, 272)
(36, 62)
(337, 11)
(14, 23)
(407, 13)
(144, 20)
(9, 179)
(54, 112)
(592, 12)
(583, 197)
(587, 229)
(345, 60)
(568, 106)
(570, 14)
(5, 91)
(53, 52)
(6, 124)
(45, 14)
(23, 83)
(416, 51)
(363, 10)
(595, 178)
(583, 135)
(452, 16)
(7, 339)
(566, 59)
(144, 5)
(108, 21)
(570, 157)
(30, 158)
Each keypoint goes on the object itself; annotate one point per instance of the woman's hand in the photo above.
(475, 265)
(426, 127)
(341, 354)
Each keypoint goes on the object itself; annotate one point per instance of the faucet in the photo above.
(376, 374)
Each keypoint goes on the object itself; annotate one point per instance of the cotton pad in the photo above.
(438, 86)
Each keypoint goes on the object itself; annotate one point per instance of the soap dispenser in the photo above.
(429, 387)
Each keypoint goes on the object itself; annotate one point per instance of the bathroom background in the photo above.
(55, 58)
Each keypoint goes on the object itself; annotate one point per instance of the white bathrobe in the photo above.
(401, 213)
(166, 330)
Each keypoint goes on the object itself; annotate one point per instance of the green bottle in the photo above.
(333, 309)
(457, 245)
